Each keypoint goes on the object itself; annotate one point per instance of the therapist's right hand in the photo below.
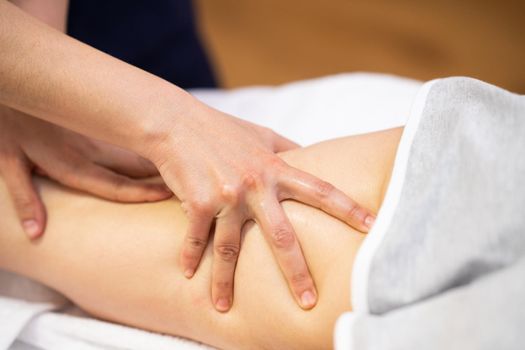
(225, 170)
(28, 144)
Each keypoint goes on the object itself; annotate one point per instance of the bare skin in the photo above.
(119, 262)
(28, 144)
(48, 75)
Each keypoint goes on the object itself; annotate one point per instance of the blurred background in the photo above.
(275, 41)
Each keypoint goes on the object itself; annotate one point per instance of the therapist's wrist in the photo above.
(169, 112)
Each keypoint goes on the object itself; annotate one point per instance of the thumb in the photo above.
(282, 144)
(123, 161)
(26, 200)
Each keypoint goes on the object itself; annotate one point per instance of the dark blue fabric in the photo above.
(158, 36)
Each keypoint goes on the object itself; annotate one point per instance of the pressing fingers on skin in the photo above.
(280, 234)
(196, 239)
(26, 200)
(308, 189)
(226, 247)
(102, 182)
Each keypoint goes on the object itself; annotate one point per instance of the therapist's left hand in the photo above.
(30, 145)
(226, 169)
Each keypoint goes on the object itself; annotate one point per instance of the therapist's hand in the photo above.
(226, 170)
(28, 144)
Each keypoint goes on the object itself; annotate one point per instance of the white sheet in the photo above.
(32, 316)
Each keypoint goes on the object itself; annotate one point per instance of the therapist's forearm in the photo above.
(54, 77)
(51, 12)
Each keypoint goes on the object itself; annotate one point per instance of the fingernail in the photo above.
(308, 299)
(31, 227)
(167, 193)
(369, 221)
(161, 190)
(189, 273)
(223, 304)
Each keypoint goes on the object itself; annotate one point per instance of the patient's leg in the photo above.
(121, 261)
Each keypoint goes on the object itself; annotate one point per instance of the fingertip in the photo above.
(166, 191)
(157, 193)
(189, 272)
(32, 228)
(369, 221)
(308, 299)
(162, 194)
(162, 188)
(361, 219)
(186, 263)
(222, 304)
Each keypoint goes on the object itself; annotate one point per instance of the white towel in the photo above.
(308, 111)
(443, 266)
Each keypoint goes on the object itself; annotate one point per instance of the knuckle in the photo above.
(200, 206)
(223, 285)
(323, 189)
(354, 211)
(300, 278)
(196, 243)
(23, 203)
(283, 237)
(190, 257)
(227, 252)
(230, 193)
(251, 179)
(275, 162)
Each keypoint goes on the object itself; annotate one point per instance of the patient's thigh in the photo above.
(120, 262)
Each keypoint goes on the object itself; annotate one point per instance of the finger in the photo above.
(287, 250)
(308, 189)
(226, 244)
(26, 200)
(196, 239)
(124, 162)
(282, 144)
(107, 184)
(39, 171)
(131, 165)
